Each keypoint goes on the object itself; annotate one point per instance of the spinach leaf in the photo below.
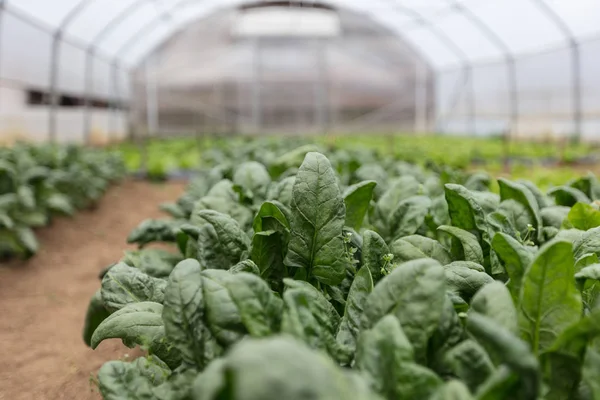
(549, 300)
(318, 214)
(415, 293)
(357, 199)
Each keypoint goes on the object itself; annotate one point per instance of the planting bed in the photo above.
(341, 274)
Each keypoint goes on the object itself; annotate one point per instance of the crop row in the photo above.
(39, 182)
(298, 275)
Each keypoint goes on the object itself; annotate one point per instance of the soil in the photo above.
(43, 300)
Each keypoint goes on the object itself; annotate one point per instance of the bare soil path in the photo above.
(43, 300)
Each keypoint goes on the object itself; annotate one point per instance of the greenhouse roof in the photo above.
(447, 33)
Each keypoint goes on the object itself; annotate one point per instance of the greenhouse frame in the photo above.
(462, 67)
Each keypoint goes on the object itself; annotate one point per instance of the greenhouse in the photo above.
(293, 200)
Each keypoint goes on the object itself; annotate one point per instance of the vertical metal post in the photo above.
(2, 4)
(151, 102)
(321, 88)
(88, 93)
(55, 65)
(576, 84)
(420, 99)
(472, 118)
(496, 40)
(256, 86)
(54, 97)
(116, 102)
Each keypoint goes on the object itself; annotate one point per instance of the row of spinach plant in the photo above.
(38, 182)
(347, 276)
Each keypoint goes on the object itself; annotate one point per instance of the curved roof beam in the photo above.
(569, 35)
(461, 55)
(55, 63)
(496, 40)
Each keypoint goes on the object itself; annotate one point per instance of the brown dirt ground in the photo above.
(43, 301)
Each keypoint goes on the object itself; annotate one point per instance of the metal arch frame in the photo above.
(91, 49)
(454, 48)
(574, 44)
(55, 62)
(417, 17)
(496, 40)
(465, 11)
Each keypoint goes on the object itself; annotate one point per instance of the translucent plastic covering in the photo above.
(494, 65)
(521, 25)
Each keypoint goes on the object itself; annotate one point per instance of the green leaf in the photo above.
(584, 242)
(276, 369)
(506, 348)
(408, 216)
(231, 237)
(465, 281)
(238, 305)
(568, 196)
(183, 315)
(357, 199)
(591, 272)
(495, 302)
(415, 247)
(386, 355)
(318, 214)
(154, 262)
(584, 216)
(399, 190)
(373, 250)
(465, 212)
(563, 361)
(549, 300)
(591, 371)
(60, 203)
(267, 253)
(122, 285)
(554, 215)
(118, 380)
(516, 259)
(502, 384)
(252, 176)
(96, 313)
(247, 266)
(464, 244)
(271, 217)
(520, 193)
(349, 327)
(586, 260)
(469, 362)
(138, 324)
(415, 293)
(26, 238)
(452, 390)
(309, 317)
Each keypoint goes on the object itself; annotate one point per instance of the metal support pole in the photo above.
(2, 11)
(151, 102)
(55, 64)
(496, 40)
(472, 118)
(420, 99)
(89, 83)
(116, 103)
(256, 86)
(576, 84)
(321, 89)
(444, 38)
